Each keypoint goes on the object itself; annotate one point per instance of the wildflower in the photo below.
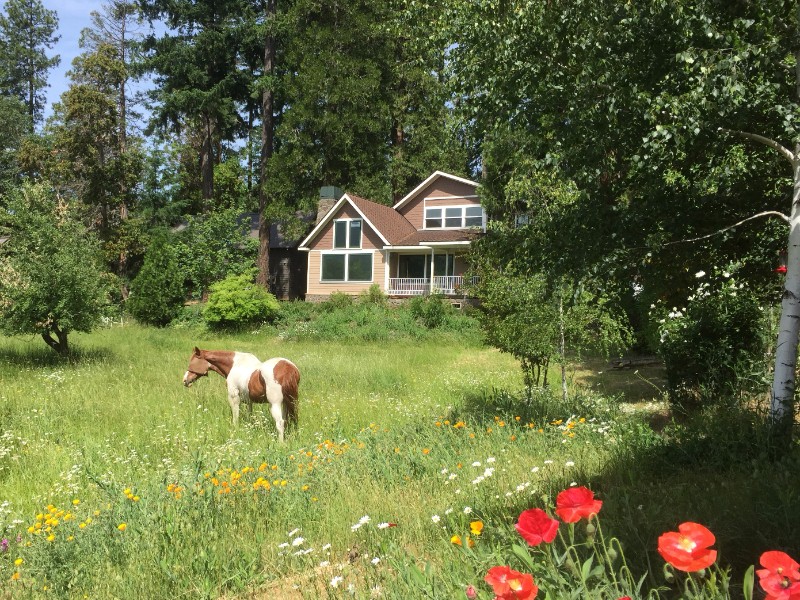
(535, 526)
(122, 526)
(471, 592)
(386, 525)
(476, 527)
(325, 563)
(688, 548)
(456, 539)
(700, 274)
(509, 584)
(15, 576)
(336, 581)
(376, 560)
(18, 562)
(467, 510)
(297, 541)
(436, 518)
(780, 577)
(576, 503)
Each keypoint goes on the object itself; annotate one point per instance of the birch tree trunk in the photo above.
(783, 385)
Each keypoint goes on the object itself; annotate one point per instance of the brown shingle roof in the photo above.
(440, 235)
(390, 223)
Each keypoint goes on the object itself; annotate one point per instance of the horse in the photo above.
(275, 381)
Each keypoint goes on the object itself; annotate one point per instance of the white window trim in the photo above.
(463, 208)
(345, 252)
(360, 235)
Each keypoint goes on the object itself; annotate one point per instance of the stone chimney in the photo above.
(328, 196)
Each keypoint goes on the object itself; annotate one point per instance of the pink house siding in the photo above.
(440, 192)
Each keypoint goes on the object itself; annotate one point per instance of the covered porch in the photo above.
(421, 270)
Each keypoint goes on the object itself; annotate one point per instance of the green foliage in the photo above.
(213, 246)
(338, 301)
(51, 281)
(237, 301)
(432, 311)
(715, 348)
(28, 31)
(373, 295)
(157, 292)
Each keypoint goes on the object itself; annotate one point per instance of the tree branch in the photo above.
(766, 213)
(787, 154)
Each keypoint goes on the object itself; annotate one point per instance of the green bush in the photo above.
(337, 301)
(432, 311)
(373, 295)
(237, 300)
(157, 292)
(714, 348)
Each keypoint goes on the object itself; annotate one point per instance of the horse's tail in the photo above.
(288, 376)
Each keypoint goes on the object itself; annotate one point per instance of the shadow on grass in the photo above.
(712, 468)
(35, 357)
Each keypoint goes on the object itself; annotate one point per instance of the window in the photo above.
(347, 233)
(443, 265)
(412, 265)
(454, 217)
(353, 266)
(433, 218)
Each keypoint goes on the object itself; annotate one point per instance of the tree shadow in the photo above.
(45, 357)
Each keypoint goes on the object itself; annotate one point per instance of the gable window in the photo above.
(347, 233)
(346, 266)
(454, 217)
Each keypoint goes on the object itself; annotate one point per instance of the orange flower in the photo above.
(688, 548)
(509, 584)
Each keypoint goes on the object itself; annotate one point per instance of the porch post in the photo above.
(387, 266)
(430, 284)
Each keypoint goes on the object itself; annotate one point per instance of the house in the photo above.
(412, 248)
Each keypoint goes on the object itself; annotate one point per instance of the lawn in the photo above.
(117, 482)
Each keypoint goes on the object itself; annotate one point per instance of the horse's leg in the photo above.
(233, 400)
(277, 413)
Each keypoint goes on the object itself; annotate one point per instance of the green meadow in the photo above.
(410, 466)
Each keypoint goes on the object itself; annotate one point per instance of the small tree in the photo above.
(51, 282)
(157, 292)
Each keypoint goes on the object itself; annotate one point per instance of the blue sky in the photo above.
(73, 16)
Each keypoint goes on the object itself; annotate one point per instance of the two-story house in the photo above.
(415, 247)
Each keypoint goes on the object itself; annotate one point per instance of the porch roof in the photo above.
(420, 238)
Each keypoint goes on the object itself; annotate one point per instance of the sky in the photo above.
(73, 16)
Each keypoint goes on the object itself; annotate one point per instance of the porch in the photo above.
(449, 285)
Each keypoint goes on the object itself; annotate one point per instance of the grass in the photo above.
(429, 435)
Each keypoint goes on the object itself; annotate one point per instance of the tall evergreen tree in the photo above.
(27, 32)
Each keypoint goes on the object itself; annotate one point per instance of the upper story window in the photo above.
(347, 233)
(454, 217)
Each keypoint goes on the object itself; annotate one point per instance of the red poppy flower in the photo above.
(688, 548)
(780, 577)
(536, 526)
(782, 270)
(576, 503)
(509, 584)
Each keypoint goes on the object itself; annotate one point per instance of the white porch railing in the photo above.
(417, 286)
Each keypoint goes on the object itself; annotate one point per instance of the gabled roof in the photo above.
(394, 226)
(435, 175)
(442, 236)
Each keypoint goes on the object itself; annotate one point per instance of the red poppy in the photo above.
(688, 548)
(536, 526)
(780, 577)
(509, 584)
(576, 503)
(781, 270)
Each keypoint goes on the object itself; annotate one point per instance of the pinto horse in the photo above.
(274, 381)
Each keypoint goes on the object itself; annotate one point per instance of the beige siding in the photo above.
(440, 192)
(324, 240)
(317, 287)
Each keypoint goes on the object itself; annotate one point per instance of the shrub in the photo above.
(432, 310)
(373, 295)
(337, 301)
(157, 292)
(237, 300)
(713, 348)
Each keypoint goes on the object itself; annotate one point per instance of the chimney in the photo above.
(328, 196)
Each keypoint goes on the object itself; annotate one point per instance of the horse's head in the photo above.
(198, 367)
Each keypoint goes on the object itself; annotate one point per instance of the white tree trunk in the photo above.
(783, 385)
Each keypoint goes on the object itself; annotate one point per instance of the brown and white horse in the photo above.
(275, 381)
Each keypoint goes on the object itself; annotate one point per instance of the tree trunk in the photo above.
(207, 162)
(58, 343)
(267, 137)
(783, 385)
(562, 348)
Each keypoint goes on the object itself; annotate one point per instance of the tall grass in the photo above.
(149, 492)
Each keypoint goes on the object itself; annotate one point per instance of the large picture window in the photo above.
(351, 266)
(454, 217)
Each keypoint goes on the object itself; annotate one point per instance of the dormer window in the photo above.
(347, 233)
(454, 217)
